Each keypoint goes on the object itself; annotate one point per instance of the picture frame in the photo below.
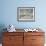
(26, 14)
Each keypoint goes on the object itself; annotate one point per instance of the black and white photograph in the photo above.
(26, 14)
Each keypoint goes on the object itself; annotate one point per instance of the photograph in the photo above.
(26, 14)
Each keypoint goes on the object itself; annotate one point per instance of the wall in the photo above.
(9, 13)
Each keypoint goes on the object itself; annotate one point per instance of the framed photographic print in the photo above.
(26, 14)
